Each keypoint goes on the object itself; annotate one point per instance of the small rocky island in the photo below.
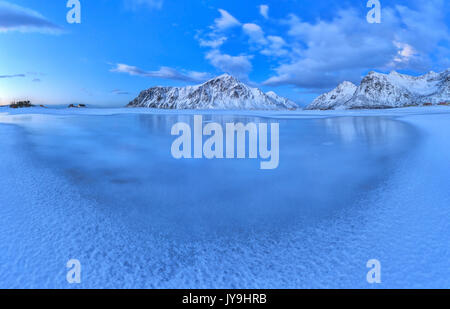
(77, 106)
(21, 104)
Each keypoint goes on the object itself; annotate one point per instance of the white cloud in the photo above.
(276, 47)
(17, 18)
(226, 20)
(271, 46)
(163, 72)
(215, 37)
(405, 52)
(255, 33)
(213, 41)
(264, 11)
(239, 66)
(326, 52)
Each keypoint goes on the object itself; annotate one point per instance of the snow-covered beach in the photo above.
(99, 185)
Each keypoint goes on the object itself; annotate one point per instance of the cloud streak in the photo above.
(163, 72)
(119, 92)
(12, 76)
(226, 21)
(17, 18)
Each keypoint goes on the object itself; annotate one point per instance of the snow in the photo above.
(379, 90)
(425, 85)
(99, 185)
(335, 98)
(223, 92)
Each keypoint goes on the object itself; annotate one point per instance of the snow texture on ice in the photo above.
(100, 186)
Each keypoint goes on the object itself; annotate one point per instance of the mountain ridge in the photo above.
(378, 90)
(222, 92)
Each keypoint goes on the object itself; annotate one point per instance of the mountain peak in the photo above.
(222, 92)
(335, 98)
(378, 90)
(225, 80)
(225, 76)
(346, 84)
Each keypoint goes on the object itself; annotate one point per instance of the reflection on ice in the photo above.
(124, 162)
(107, 191)
(373, 130)
(164, 123)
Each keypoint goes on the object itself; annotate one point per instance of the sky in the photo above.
(297, 48)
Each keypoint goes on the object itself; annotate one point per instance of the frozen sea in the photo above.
(101, 186)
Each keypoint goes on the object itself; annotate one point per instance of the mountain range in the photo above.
(376, 91)
(392, 90)
(223, 92)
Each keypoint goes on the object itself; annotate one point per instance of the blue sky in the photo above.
(298, 48)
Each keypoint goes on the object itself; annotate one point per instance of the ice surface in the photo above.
(101, 186)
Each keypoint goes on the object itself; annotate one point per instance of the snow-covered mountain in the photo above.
(379, 90)
(335, 98)
(223, 92)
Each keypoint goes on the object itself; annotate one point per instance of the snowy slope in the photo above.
(443, 88)
(335, 98)
(379, 90)
(223, 92)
